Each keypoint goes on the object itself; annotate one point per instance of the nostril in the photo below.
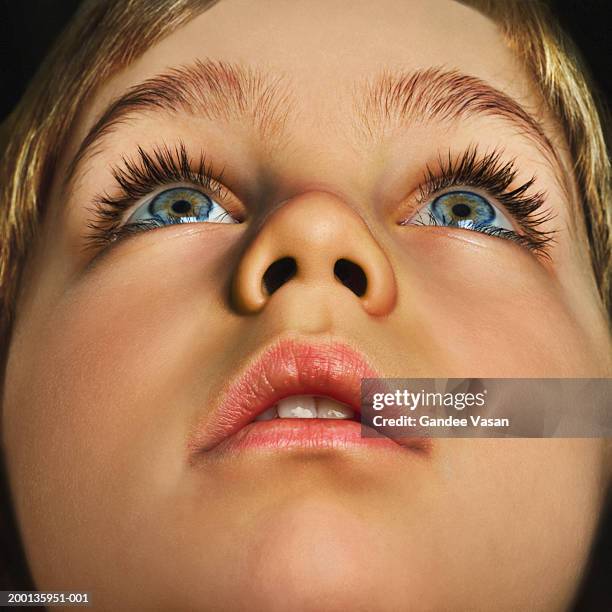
(352, 276)
(278, 273)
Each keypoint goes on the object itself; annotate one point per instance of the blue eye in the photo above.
(463, 209)
(181, 205)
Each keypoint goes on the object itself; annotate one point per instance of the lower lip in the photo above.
(310, 434)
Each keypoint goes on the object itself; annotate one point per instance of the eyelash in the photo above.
(493, 176)
(139, 178)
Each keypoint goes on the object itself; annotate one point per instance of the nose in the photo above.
(315, 238)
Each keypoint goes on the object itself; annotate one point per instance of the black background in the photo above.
(28, 27)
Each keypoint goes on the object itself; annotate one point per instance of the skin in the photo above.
(111, 366)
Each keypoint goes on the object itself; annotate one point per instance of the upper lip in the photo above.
(289, 367)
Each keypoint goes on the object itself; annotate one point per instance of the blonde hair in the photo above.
(106, 35)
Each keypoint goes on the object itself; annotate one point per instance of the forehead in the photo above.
(324, 46)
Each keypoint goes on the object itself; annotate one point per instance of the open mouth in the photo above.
(294, 395)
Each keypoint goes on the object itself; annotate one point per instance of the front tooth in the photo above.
(330, 409)
(267, 415)
(297, 407)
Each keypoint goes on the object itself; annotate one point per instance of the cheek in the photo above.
(99, 343)
(490, 309)
(100, 389)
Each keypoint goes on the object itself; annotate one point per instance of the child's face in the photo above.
(113, 365)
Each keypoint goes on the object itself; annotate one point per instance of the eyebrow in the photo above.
(224, 91)
(212, 89)
(443, 95)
